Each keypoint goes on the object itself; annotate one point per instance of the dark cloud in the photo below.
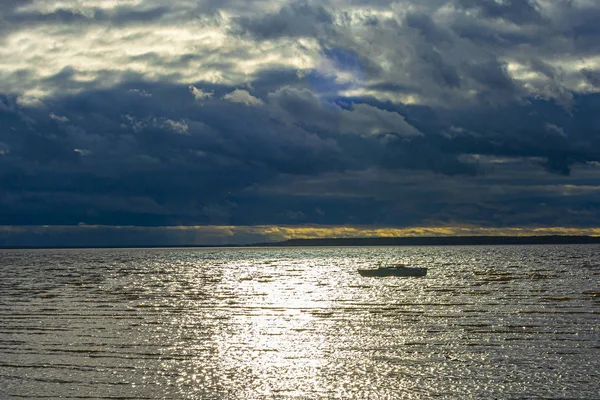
(441, 73)
(119, 147)
(493, 80)
(118, 15)
(7, 6)
(578, 21)
(131, 15)
(592, 77)
(428, 28)
(58, 16)
(543, 29)
(118, 157)
(297, 19)
(478, 112)
(516, 11)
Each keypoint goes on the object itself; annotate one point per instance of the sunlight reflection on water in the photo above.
(499, 321)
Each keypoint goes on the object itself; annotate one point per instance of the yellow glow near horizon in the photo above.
(308, 232)
(270, 233)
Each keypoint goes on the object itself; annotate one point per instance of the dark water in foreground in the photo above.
(487, 322)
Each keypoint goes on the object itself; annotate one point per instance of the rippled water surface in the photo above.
(486, 322)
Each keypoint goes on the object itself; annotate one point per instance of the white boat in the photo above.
(396, 270)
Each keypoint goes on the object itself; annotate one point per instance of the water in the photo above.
(486, 322)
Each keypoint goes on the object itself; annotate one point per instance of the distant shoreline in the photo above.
(366, 242)
(439, 241)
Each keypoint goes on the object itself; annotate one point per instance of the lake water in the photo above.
(512, 322)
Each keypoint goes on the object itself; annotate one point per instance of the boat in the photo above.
(396, 270)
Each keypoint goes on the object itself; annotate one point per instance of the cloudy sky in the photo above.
(205, 121)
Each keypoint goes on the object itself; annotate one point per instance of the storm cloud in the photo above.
(390, 114)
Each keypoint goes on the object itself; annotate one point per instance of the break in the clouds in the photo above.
(246, 113)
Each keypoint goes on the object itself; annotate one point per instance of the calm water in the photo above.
(486, 322)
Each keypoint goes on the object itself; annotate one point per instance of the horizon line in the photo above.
(449, 240)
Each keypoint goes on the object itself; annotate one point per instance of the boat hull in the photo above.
(381, 272)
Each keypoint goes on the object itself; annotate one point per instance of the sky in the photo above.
(234, 121)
